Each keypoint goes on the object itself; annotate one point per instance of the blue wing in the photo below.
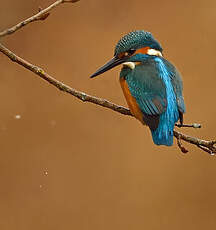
(178, 88)
(177, 85)
(149, 90)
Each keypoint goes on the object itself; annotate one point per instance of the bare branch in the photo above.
(80, 95)
(42, 15)
(194, 125)
(180, 145)
(207, 146)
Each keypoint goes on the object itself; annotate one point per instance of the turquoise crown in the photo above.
(136, 40)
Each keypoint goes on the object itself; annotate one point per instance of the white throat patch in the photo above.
(130, 64)
(154, 52)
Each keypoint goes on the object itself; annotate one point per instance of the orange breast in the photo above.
(131, 101)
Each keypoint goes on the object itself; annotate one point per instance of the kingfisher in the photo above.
(151, 85)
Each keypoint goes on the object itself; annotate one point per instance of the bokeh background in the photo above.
(72, 165)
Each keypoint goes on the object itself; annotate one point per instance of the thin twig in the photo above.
(210, 145)
(43, 14)
(180, 145)
(194, 125)
(206, 150)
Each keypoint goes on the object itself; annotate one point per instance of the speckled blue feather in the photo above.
(137, 39)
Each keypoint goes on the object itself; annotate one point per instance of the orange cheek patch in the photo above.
(121, 55)
(143, 50)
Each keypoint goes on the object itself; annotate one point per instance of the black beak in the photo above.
(109, 65)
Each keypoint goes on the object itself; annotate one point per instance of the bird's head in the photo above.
(130, 49)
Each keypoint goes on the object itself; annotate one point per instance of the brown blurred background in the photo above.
(72, 165)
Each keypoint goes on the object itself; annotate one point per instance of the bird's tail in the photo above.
(163, 135)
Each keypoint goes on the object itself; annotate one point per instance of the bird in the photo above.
(151, 84)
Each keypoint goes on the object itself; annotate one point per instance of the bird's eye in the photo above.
(130, 52)
(127, 53)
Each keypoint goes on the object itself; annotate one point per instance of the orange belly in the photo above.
(131, 101)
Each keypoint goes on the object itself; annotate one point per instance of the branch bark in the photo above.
(207, 146)
(42, 15)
